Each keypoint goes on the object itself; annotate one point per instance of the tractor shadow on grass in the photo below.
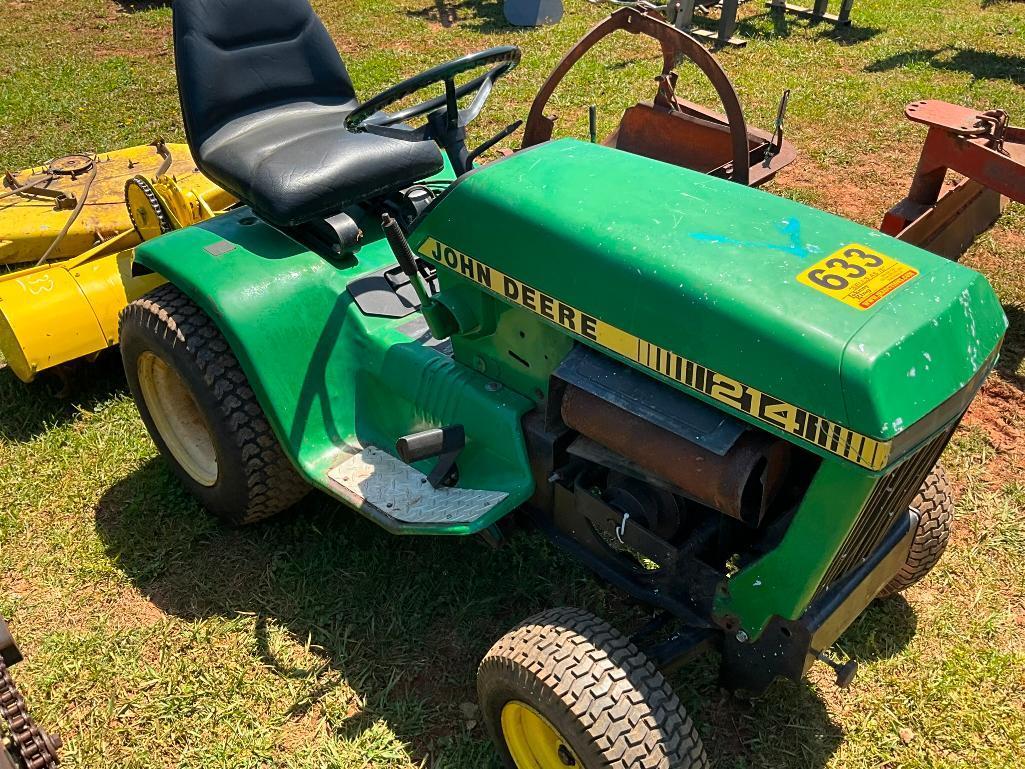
(53, 399)
(399, 624)
(770, 25)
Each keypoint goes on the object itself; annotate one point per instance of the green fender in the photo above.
(331, 379)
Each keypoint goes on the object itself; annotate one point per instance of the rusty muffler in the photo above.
(742, 483)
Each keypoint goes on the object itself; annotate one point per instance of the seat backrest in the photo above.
(235, 58)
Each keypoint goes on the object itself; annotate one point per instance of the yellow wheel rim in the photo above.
(178, 419)
(532, 740)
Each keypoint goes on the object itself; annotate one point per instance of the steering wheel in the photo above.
(446, 123)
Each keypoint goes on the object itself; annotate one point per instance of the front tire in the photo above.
(201, 412)
(935, 505)
(566, 689)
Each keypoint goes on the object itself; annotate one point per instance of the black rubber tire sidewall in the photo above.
(231, 496)
(935, 505)
(501, 681)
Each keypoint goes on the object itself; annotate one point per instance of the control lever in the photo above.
(443, 442)
(509, 130)
(775, 144)
(164, 153)
(440, 319)
(404, 256)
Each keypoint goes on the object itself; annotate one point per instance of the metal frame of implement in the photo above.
(981, 146)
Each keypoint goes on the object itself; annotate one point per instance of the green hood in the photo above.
(710, 270)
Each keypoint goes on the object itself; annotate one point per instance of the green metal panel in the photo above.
(519, 349)
(330, 377)
(708, 269)
(899, 365)
(783, 581)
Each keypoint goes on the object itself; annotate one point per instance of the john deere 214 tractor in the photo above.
(730, 406)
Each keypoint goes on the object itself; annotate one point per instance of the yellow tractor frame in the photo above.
(68, 232)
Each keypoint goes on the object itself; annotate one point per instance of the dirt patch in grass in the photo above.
(130, 609)
(996, 411)
(148, 54)
(136, 6)
(1010, 240)
(348, 46)
(301, 731)
(862, 193)
(146, 41)
(16, 586)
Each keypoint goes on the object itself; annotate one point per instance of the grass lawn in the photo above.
(157, 638)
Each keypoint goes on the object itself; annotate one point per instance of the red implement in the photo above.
(981, 146)
(668, 128)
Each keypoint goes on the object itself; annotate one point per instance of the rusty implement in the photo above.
(668, 128)
(68, 230)
(983, 148)
(681, 14)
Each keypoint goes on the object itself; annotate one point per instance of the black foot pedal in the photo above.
(443, 442)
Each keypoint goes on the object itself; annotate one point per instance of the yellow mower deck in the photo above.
(67, 307)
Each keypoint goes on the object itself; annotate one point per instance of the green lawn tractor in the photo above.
(728, 405)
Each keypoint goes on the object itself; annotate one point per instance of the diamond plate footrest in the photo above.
(378, 483)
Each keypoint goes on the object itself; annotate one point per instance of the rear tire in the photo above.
(566, 689)
(200, 411)
(935, 505)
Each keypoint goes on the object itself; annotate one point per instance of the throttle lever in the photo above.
(509, 130)
(775, 144)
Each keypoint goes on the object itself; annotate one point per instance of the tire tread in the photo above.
(272, 483)
(935, 505)
(624, 705)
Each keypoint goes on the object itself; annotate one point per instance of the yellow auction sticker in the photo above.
(857, 276)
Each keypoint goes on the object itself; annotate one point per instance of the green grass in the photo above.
(156, 638)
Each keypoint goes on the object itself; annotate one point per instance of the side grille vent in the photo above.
(891, 496)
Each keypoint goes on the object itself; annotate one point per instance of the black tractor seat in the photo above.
(264, 95)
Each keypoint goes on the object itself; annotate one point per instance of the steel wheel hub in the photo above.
(532, 740)
(178, 419)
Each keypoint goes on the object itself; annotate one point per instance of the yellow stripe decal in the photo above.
(784, 416)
